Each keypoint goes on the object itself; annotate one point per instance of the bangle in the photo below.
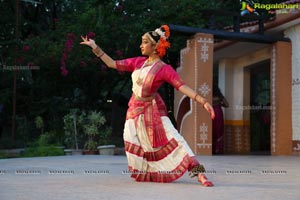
(204, 100)
(101, 55)
(195, 97)
(98, 52)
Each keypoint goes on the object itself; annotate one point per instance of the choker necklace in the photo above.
(150, 62)
(147, 63)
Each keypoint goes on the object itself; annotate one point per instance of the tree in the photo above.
(65, 75)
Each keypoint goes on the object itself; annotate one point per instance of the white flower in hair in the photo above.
(160, 33)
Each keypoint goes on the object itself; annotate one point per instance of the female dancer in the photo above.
(155, 150)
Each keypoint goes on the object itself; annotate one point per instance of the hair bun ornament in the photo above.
(163, 31)
(166, 29)
(163, 44)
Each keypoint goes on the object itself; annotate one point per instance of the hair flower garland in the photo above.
(160, 33)
(163, 44)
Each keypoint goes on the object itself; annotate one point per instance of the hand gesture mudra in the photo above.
(89, 42)
(209, 109)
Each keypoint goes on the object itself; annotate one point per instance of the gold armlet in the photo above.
(204, 101)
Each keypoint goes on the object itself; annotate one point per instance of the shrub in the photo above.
(41, 151)
(3, 155)
(43, 147)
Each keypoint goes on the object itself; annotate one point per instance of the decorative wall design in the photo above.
(204, 55)
(273, 100)
(204, 89)
(203, 136)
(228, 139)
(237, 139)
(247, 140)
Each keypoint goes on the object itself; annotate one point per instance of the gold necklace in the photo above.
(147, 63)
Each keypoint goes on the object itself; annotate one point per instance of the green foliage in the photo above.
(40, 151)
(24, 128)
(53, 137)
(73, 122)
(90, 145)
(39, 123)
(3, 155)
(43, 146)
(44, 139)
(6, 143)
(41, 39)
(94, 121)
(83, 128)
(105, 137)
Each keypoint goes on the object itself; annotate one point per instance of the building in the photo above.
(260, 81)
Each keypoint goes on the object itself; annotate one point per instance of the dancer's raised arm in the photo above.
(99, 52)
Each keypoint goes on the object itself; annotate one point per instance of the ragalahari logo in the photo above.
(247, 8)
(250, 7)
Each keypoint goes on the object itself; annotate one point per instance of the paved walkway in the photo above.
(105, 177)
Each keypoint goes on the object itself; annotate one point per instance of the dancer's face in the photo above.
(147, 48)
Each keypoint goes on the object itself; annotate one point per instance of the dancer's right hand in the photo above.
(89, 42)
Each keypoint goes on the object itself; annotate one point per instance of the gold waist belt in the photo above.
(144, 98)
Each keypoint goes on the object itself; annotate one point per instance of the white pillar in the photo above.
(294, 34)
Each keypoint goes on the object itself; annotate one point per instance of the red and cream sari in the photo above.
(155, 150)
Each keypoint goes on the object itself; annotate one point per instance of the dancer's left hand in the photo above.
(209, 109)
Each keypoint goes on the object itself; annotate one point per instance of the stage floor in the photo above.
(106, 177)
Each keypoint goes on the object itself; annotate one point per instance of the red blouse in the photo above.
(165, 74)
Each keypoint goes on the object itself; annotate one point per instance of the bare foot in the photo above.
(204, 181)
